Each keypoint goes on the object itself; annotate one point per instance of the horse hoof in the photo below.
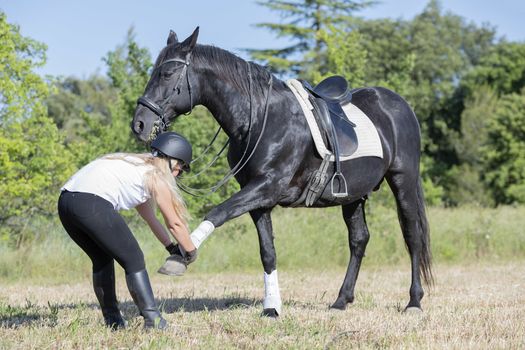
(271, 313)
(338, 306)
(174, 266)
(413, 310)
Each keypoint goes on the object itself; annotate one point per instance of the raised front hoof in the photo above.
(173, 266)
(413, 310)
(270, 313)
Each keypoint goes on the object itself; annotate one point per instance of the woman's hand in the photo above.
(177, 263)
(186, 257)
(173, 249)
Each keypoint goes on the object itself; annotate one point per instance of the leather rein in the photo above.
(163, 122)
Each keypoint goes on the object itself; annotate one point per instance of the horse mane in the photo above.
(232, 68)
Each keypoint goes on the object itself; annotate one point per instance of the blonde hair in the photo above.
(160, 172)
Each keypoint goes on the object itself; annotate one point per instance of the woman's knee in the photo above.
(133, 262)
(100, 263)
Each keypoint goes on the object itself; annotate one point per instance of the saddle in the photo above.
(337, 131)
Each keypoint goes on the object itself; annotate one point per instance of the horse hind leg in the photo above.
(354, 216)
(412, 218)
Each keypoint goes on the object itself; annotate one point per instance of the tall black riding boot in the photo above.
(142, 294)
(104, 286)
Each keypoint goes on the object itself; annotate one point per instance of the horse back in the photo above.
(393, 117)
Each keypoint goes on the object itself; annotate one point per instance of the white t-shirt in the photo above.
(119, 182)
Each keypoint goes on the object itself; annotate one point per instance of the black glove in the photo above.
(173, 249)
(186, 257)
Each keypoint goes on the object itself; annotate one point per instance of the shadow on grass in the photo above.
(18, 316)
(21, 319)
(23, 316)
(204, 304)
(172, 305)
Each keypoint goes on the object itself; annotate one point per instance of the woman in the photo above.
(88, 208)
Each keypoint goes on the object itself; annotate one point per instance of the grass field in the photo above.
(478, 302)
(478, 306)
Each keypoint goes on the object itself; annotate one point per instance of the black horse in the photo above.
(264, 120)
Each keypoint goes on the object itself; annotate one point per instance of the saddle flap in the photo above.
(322, 116)
(332, 116)
(346, 136)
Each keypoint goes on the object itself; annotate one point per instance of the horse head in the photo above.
(169, 92)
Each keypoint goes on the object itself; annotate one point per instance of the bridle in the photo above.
(158, 108)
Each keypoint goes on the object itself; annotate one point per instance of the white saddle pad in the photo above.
(369, 144)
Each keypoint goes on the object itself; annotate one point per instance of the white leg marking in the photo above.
(272, 297)
(199, 235)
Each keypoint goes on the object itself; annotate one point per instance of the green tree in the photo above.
(75, 99)
(343, 55)
(106, 109)
(425, 60)
(504, 153)
(497, 74)
(21, 90)
(427, 56)
(33, 160)
(304, 21)
(464, 181)
(390, 60)
(503, 68)
(446, 48)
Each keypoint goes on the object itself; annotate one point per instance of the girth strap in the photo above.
(317, 182)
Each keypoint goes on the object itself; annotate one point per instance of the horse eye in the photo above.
(166, 74)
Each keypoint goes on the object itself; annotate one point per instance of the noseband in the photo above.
(158, 108)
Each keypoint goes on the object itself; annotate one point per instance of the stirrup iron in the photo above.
(344, 193)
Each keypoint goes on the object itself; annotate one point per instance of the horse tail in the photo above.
(426, 255)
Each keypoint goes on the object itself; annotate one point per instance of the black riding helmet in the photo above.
(173, 145)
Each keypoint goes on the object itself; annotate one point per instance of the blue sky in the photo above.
(80, 33)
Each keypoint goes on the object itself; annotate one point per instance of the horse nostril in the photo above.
(139, 126)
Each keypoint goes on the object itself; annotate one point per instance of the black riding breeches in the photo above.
(93, 223)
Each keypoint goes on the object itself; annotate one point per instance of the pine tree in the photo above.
(305, 23)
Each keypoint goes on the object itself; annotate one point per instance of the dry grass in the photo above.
(471, 307)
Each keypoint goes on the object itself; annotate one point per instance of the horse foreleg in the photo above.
(256, 194)
(255, 197)
(354, 216)
(272, 297)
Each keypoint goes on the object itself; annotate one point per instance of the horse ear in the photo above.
(191, 41)
(172, 38)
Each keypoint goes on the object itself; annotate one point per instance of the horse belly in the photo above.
(362, 176)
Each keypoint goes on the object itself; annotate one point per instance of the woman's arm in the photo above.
(175, 224)
(148, 214)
